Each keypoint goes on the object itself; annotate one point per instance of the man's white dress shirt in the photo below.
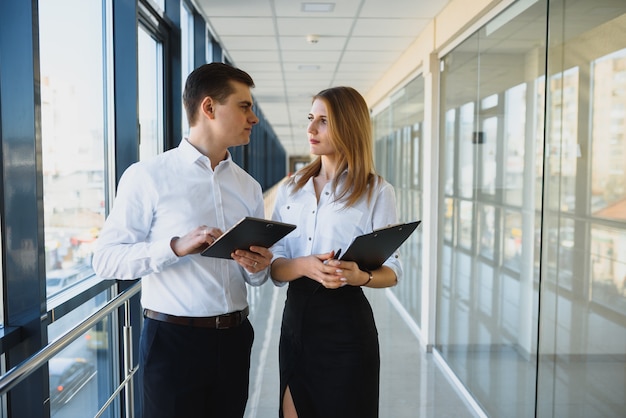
(167, 196)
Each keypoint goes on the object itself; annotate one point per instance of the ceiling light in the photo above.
(312, 39)
(308, 67)
(317, 7)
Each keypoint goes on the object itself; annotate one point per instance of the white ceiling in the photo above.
(359, 40)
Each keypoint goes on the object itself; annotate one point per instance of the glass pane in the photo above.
(448, 219)
(416, 152)
(512, 244)
(582, 367)
(73, 139)
(486, 327)
(489, 102)
(82, 375)
(539, 113)
(208, 54)
(381, 129)
(563, 154)
(487, 231)
(608, 269)
(466, 151)
(450, 152)
(398, 127)
(187, 52)
(608, 149)
(150, 95)
(466, 224)
(489, 155)
(514, 143)
(404, 164)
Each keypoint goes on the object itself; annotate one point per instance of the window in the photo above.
(150, 77)
(187, 52)
(73, 134)
(73, 103)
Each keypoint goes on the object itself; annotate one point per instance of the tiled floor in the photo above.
(412, 384)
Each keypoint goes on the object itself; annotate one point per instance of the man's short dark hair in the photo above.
(212, 80)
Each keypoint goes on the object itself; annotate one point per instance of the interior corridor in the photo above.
(412, 384)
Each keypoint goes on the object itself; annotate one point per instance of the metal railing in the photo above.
(21, 371)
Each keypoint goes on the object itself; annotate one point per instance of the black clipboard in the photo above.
(248, 231)
(371, 250)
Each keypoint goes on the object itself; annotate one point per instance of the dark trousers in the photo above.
(188, 372)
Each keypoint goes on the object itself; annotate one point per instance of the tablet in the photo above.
(248, 231)
(371, 250)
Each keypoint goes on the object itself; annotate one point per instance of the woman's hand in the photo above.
(347, 273)
(316, 267)
(332, 273)
(322, 268)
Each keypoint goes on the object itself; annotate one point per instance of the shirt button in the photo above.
(313, 212)
(309, 238)
(327, 193)
(288, 207)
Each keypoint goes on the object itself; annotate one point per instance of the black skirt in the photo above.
(329, 354)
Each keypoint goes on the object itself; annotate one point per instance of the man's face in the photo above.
(235, 117)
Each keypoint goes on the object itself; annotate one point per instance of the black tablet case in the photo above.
(248, 231)
(371, 250)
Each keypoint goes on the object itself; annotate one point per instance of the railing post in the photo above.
(128, 360)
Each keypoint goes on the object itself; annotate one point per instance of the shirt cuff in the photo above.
(258, 278)
(162, 254)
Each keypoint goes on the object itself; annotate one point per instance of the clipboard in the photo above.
(371, 250)
(248, 231)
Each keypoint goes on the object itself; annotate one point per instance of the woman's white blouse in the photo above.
(330, 225)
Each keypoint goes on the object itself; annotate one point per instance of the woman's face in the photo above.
(318, 132)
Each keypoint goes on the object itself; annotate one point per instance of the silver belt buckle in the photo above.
(217, 323)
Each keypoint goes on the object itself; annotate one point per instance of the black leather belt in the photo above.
(229, 320)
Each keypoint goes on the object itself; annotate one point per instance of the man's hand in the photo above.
(195, 241)
(255, 260)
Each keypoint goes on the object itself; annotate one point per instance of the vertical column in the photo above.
(23, 269)
(431, 199)
(173, 76)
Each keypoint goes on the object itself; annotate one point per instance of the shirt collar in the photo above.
(309, 186)
(190, 154)
(341, 176)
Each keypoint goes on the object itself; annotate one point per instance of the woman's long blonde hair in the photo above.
(350, 130)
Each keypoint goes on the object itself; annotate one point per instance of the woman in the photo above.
(329, 358)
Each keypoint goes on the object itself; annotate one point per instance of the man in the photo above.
(196, 340)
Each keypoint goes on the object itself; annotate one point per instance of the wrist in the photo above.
(370, 276)
(173, 245)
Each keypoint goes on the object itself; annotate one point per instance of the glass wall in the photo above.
(531, 299)
(72, 81)
(73, 121)
(398, 156)
(582, 341)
